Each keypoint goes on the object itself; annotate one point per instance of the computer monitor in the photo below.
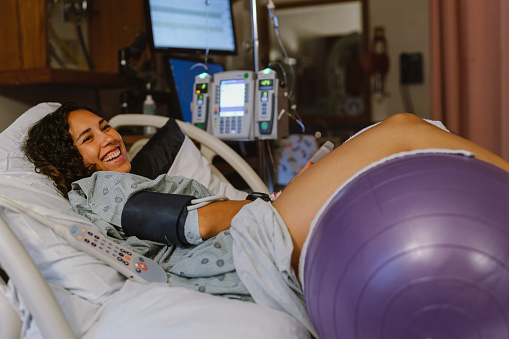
(191, 27)
(181, 74)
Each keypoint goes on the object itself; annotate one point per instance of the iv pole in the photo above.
(261, 144)
(254, 28)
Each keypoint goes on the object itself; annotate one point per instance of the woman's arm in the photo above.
(217, 216)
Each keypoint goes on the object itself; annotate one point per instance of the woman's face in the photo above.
(97, 142)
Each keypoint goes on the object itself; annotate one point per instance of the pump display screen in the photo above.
(232, 98)
(266, 84)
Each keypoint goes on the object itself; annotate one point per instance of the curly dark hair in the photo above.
(50, 146)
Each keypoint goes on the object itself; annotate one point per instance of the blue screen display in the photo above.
(183, 72)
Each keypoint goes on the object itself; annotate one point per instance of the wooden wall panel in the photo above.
(33, 33)
(10, 53)
(113, 25)
(23, 34)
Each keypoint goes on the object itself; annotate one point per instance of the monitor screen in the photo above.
(231, 97)
(182, 73)
(191, 26)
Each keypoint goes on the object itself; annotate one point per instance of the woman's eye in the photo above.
(105, 127)
(85, 139)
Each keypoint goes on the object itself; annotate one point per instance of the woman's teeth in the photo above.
(112, 155)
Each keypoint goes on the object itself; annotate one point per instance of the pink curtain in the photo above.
(470, 70)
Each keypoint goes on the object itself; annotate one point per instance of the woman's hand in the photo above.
(217, 216)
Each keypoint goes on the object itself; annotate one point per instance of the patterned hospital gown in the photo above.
(207, 267)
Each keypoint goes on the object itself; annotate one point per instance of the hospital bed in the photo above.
(57, 291)
(412, 246)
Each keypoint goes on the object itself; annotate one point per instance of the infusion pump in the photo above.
(239, 105)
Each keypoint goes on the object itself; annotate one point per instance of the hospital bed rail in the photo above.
(210, 146)
(33, 288)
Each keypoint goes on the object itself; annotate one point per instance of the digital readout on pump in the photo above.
(232, 98)
(266, 84)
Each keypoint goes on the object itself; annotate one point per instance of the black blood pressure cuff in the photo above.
(156, 216)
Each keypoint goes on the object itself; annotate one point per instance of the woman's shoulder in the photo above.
(106, 178)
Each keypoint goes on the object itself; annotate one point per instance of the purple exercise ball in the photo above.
(414, 248)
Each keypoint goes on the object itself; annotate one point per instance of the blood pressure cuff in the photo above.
(156, 216)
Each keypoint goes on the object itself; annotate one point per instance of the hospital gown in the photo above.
(207, 267)
(250, 261)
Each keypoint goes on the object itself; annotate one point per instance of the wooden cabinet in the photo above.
(25, 57)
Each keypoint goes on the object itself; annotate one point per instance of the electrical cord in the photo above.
(292, 109)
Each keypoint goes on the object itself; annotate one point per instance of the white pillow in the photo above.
(190, 163)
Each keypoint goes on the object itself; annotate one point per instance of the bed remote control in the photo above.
(127, 262)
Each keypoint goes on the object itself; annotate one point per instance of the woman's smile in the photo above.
(112, 155)
(98, 143)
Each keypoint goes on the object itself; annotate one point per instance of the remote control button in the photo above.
(127, 257)
(142, 266)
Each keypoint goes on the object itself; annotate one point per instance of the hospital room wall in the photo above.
(16, 99)
(406, 24)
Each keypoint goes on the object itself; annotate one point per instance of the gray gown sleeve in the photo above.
(103, 196)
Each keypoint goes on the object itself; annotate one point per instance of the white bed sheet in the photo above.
(97, 300)
(162, 312)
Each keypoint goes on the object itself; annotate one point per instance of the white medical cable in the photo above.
(60, 229)
(275, 26)
(292, 111)
(197, 203)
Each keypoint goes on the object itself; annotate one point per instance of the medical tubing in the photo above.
(197, 203)
(60, 229)
(275, 27)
